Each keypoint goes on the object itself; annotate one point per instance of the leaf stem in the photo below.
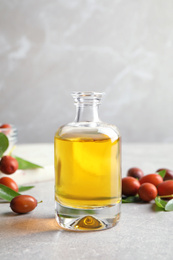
(166, 196)
(12, 149)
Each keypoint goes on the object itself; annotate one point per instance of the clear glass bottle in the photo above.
(87, 169)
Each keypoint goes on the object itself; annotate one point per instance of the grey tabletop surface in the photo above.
(143, 232)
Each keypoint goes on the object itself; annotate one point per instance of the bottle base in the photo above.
(78, 219)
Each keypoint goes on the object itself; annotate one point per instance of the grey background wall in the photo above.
(121, 47)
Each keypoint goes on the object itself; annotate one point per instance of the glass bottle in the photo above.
(87, 169)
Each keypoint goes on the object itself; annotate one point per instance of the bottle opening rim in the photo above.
(87, 96)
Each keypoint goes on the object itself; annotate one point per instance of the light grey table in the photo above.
(142, 233)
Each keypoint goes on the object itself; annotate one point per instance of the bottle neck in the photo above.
(87, 113)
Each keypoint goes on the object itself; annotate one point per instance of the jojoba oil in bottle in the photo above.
(87, 169)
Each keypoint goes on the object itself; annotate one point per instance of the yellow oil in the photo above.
(88, 222)
(87, 170)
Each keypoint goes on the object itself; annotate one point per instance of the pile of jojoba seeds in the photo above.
(147, 187)
(21, 203)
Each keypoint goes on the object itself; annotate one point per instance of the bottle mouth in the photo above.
(87, 97)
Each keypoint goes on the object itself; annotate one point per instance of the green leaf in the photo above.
(160, 203)
(169, 205)
(4, 143)
(130, 199)
(162, 173)
(7, 193)
(24, 188)
(24, 164)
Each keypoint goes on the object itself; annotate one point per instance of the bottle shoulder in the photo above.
(96, 130)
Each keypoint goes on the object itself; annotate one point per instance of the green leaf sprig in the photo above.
(8, 194)
(5, 192)
(131, 199)
(161, 203)
(24, 164)
(165, 205)
(24, 188)
(4, 143)
(162, 173)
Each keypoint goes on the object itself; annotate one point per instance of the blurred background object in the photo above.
(11, 133)
(50, 48)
